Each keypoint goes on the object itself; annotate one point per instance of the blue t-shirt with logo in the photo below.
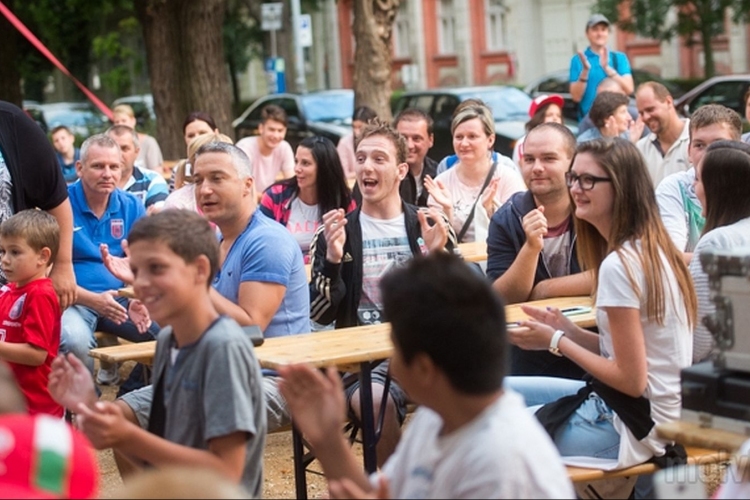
(89, 231)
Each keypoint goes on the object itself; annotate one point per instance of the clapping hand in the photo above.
(139, 315)
(118, 266)
(70, 383)
(335, 234)
(435, 236)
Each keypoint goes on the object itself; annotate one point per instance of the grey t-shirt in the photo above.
(212, 389)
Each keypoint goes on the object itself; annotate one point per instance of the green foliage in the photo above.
(704, 18)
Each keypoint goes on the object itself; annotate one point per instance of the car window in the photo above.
(444, 107)
(554, 85)
(728, 94)
(422, 102)
(333, 108)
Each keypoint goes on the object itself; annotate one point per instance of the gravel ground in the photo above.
(278, 465)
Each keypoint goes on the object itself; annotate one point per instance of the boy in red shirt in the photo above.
(29, 308)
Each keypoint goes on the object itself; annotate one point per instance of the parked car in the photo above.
(509, 105)
(557, 83)
(728, 90)
(82, 118)
(327, 113)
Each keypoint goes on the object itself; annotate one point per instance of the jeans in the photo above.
(589, 431)
(79, 324)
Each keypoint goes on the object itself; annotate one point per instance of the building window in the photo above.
(401, 45)
(446, 27)
(496, 11)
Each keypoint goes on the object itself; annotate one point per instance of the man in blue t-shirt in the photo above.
(596, 63)
(67, 154)
(102, 214)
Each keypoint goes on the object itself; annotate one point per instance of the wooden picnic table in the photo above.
(342, 347)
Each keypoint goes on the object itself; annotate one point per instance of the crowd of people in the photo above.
(621, 213)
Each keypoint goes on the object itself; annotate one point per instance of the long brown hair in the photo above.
(725, 175)
(635, 218)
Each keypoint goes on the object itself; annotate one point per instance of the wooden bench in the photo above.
(696, 456)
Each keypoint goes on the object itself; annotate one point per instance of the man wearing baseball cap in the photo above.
(589, 67)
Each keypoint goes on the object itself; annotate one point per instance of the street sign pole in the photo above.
(271, 20)
(299, 54)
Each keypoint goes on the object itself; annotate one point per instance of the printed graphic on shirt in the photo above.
(379, 256)
(17, 309)
(117, 228)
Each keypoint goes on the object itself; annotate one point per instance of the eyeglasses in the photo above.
(585, 181)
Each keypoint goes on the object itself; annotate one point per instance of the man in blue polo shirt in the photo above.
(102, 213)
(596, 63)
(146, 185)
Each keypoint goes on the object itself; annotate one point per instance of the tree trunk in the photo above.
(10, 77)
(185, 54)
(373, 25)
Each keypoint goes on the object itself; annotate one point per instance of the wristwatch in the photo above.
(554, 341)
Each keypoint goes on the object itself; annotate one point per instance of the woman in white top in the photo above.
(317, 187)
(722, 184)
(464, 189)
(645, 311)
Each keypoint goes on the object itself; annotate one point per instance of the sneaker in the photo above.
(108, 374)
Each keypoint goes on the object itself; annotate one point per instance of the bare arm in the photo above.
(578, 87)
(106, 427)
(516, 284)
(316, 402)
(625, 81)
(62, 275)
(564, 286)
(257, 303)
(628, 371)
(23, 354)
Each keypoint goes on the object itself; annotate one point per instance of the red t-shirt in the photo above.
(31, 314)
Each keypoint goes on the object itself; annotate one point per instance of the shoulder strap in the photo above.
(470, 218)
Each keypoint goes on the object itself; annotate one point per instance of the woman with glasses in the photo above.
(645, 308)
(471, 191)
(722, 184)
(317, 187)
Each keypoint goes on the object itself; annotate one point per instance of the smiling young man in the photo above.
(679, 206)
(531, 247)
(596, 63)
(270, 154)
(666, 147)
(416, 127)
(350, 254)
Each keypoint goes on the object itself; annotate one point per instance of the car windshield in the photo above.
(72, 116)
(334, 108)
(506, 103)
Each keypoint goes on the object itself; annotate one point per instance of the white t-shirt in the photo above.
(669, 349)
(385, 246)
(557, 248)
(674, 160)
(267, 168)
(503, 453)
(303, 222)
(722, 238)
(680, 209)
(463, 197)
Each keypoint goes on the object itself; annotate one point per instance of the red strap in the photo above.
(45, 51)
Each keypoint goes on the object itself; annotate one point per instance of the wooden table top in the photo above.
(343, 348)
(473, 252)
(692, 434)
